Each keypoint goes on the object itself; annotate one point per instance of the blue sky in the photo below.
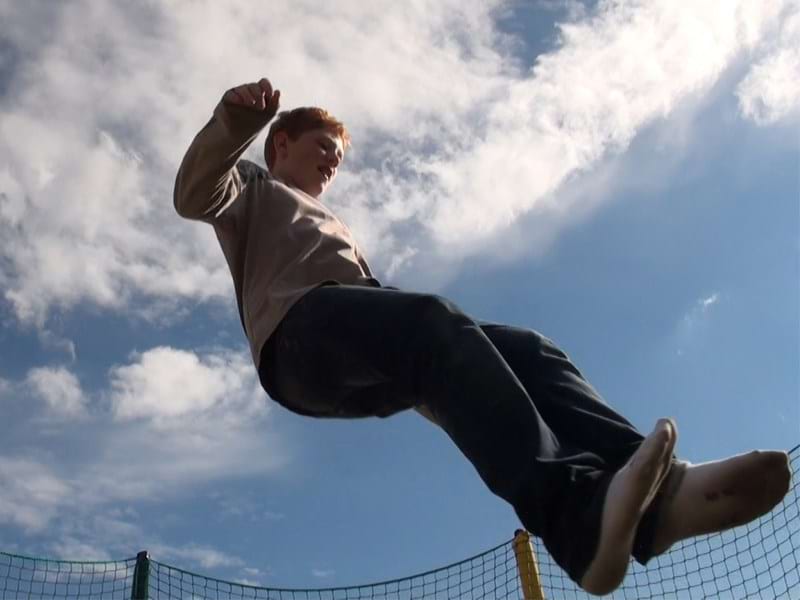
(627, 184)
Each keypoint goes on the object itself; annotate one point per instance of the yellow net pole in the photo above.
(527, 566)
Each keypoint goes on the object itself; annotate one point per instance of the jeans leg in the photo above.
(572, 408)
(350, 351)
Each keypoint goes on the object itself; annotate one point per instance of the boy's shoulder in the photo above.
(248, 169)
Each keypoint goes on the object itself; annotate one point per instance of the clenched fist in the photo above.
(257, 96)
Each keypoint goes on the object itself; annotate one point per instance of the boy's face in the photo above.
(310, 162)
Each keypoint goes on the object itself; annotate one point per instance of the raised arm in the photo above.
(207, 181)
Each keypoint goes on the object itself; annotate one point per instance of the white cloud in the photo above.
(205, 556)
(253, 572)
(695, 322)
(446, 157)
(453, 142)
(61, 391)
(88, 214)
(321, 573)
(614, 73)
(241, 507)
(699, 311)
(31, 493)
(70, 548)
(771, 89)
(200, 419)
(167, 385)
(707, 303)
(111, 533)
(187, 418)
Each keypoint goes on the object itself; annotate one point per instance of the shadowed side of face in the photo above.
(310, 162)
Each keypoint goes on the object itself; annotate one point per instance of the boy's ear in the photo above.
(280, 139)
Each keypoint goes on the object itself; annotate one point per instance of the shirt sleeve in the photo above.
(207, 181)
(363, 263)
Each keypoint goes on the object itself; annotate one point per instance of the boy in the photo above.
(329, 340)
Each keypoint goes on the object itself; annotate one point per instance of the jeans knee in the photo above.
(439, 318)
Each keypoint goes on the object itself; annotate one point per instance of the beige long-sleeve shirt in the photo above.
(279, 242)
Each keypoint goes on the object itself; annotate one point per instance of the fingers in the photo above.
(250, 96)
(257, 96)
(265, 86)
(274, 102)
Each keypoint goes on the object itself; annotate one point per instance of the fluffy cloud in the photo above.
(614, 73)
(168, 421)
(60, 390)
(207, 557)
(771, 89)
(455, 139)
(31, 494)
(166, 385)
(85, 202)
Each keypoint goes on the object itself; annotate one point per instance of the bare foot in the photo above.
(629, 494)
(722, 494)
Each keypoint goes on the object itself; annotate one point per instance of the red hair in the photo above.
(297, 122)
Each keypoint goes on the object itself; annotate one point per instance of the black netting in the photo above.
(24, 577)
(757, 561)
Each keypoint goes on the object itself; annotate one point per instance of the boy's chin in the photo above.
(314, 189)
(317, 190)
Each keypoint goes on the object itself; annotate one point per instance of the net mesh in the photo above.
(25, 577)
(759, 560)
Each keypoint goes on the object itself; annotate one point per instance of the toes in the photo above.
(668, 433)
(670, 425)
(662, 435)
(732, 492)
(777, 480)
(779, 456)
(773, 459)
(667, 441)
(652, 459)
(775, 475)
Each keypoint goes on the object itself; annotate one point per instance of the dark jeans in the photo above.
(537, 433)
